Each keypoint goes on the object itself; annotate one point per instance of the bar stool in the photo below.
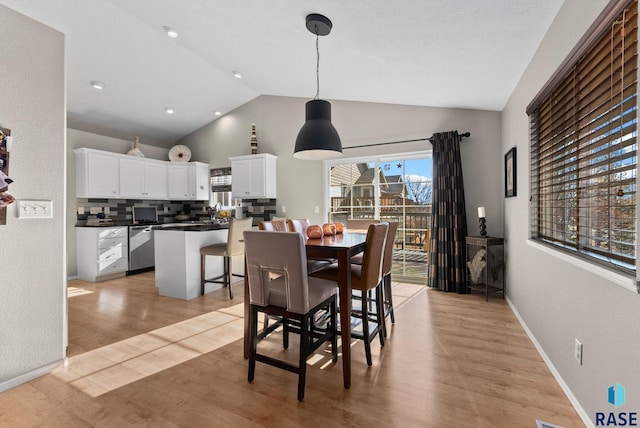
(233, 247)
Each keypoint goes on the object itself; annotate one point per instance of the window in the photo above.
(583, 146)
(389, 188)
(221, 187)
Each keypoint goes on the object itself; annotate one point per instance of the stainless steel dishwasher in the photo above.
(141, 253)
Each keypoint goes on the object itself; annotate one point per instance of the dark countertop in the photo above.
(191, 227)
(186, 227)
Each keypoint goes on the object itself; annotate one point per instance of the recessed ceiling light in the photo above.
(217, 113)
(169, 110)
(97, 84)
(237, 74)
(170, 32)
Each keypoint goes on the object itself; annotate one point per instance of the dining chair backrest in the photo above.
(290, 289)
(371, 273)
(387, 259)
(299, 225)
(273, 225)
(235, 239)
(361, 223)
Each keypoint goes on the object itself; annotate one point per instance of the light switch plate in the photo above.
(106, 210)
(80, 210)
(94, 210)
(35, 209)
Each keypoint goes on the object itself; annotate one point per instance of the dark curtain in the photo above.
(447, 259)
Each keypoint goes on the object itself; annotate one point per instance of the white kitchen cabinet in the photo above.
(253, 176)
(177, 181)
(202, 184)
(188, 181)
(102, 252)
(97, 174)
(143, 178)
(101, 174)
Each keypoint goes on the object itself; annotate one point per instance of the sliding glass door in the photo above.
(389, 189)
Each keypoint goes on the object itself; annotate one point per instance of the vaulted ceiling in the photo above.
(442, 53)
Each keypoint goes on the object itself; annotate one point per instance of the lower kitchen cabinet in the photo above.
(101, 252)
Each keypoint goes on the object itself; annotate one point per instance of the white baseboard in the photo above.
(33, 374)
(69, 278)
(565, 388)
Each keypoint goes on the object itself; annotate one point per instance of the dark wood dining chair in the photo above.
(233, 247)
(365, 278)
(387, 262)
(292, 295)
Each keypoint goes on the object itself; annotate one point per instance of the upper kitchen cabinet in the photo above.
(188, 181)
(253, 176)
(97, 174)
(143, 178)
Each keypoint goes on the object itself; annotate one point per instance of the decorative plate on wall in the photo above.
(179, 153)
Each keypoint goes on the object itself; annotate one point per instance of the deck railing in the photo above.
(414, 219)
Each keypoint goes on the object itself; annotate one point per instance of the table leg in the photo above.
(344, 287)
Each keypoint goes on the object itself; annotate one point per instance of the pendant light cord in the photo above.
(317, 66)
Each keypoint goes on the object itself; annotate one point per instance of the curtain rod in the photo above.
(430, 139)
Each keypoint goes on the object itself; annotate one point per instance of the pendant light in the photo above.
(318, 139)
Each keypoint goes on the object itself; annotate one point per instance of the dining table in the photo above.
(340, 247)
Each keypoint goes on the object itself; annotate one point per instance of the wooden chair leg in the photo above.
(202, 271)
(388, 297)
(304, 353)
(334, 330)
(253, 340)
(227, 278)
(365, 328)
(285, 333)
(382, 327)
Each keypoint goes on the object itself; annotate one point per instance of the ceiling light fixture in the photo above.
(170, 32)
(169, 110)
(237, 74)
(97, 84)
(217, 113)
(318, 139)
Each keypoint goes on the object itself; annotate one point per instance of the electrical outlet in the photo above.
(284, 209)
(107, 210)
(94, 210)
(578, 351)
(316, 209)
(80, 210)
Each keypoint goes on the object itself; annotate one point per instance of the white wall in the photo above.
(300, 186)
(32, 252)
(557, 300)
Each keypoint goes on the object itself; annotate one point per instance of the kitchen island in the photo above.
(177, 257)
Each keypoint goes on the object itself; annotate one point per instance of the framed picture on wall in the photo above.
(510, 176)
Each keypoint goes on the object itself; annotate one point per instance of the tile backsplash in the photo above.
(120, 209)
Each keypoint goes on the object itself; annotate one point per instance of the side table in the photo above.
(485, 264)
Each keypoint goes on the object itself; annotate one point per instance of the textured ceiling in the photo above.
(442, 53)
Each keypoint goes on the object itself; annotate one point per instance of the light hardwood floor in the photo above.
(138, 359)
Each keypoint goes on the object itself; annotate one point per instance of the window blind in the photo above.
(583, 149)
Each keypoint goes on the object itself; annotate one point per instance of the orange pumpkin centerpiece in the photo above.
(339, 227)
(314, 231)
(329, 229)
